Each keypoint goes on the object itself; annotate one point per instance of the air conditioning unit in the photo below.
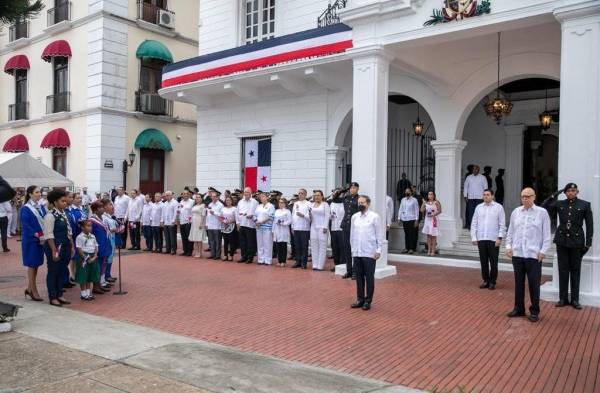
(166, 19)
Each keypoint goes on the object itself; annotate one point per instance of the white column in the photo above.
(448, 159)
(334, 156)
(513, 175)
(579, 142)
(369, 133)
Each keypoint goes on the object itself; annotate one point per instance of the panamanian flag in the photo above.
(257, 164)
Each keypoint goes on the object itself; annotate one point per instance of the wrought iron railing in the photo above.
(60, 102)
(153, 104)
(18, 30)
(330, 16)
(59, 13)
(149, 12)
(18, 111)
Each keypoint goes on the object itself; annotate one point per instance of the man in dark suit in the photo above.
(500, 186)
(571, 241)
(350, 208)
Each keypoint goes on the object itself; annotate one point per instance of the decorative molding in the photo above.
(584, 9)
(448, 147)
(58, 27)
(581, 33)
(254, 133)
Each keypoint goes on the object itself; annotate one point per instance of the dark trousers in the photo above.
(157, 234)
(569, 269)
(4, 232)
(171, 239)
(411, 235)
(470, 210)
(148, 237)
(54, 278)
(292, 245)
(122, 221)
(134, 234)
(347, 251)
(337, 242)
(281, 253)
(247, 237)
(532, 269)
(301, 239)
(488, 256)
(365, 276)
(230, 242)
(187, 246)
(214, 242)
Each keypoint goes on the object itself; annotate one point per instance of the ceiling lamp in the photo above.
(418, 125)
(545, 116)
(499, 106)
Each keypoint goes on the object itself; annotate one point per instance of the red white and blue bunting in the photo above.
(293, 47)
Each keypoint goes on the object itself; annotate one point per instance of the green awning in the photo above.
(151, 49)
(152, 138)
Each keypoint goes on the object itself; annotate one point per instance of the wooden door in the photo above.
(152, 171)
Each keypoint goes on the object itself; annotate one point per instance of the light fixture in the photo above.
(498, 107)
(131, 158)
(545, 116)
(418, 125)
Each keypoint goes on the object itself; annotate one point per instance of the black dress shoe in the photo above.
(484, 284)
(296, 266)
(492, 287)
(6, 250)
(576, 305)
(357, 305)
(561, 303)
(347, 275)
(533, 318)
(131, 248)
(366, 306)
(241, 260)
(515, 313)
(63, 301)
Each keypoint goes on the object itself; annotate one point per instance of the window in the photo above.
(147, 98)
(59, 100)
(59, 160)
(151, 75)
(259, 20)
(18, 111)
(148, 9)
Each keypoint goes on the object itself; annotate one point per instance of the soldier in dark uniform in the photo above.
(350, 207)
(571, 242)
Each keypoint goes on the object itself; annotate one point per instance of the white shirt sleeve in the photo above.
(475, 223)
(546, 232)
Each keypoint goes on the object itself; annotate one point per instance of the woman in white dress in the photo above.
(198, 229)
(264, 214)
(319, 227)
(431, 209)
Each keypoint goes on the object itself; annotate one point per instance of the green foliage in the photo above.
(484, 8)
(12, 11)
(436, 17)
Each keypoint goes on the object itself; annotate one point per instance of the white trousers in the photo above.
(264, 245)
(9, 229)
(318, 246)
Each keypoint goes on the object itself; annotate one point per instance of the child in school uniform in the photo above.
(87, 269)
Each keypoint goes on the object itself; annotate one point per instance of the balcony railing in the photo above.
(330, 15)
(153, 104)
(18, 30)
(150, 12)
(60, 102)
(59, 13)
(18, 111)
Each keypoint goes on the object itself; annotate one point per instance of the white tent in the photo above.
(22, 170)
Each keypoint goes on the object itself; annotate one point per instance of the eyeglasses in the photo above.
(527, 196)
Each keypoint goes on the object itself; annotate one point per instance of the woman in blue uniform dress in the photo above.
(58, 247)
(102, 233)
(32, 237)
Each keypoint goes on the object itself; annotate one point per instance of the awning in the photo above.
(151, 49)
(58, 48)
(22, 170)
(152, 138)
(18, 62)
(16, 144)
(56, 138)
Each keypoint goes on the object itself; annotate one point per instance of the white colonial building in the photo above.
(340, 102)
(79, 91)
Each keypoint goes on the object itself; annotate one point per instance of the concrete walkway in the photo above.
(60, 350)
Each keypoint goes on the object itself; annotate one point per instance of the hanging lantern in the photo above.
(418, 125)
(499, 106)
(545, 116)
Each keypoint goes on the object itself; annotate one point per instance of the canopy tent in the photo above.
(22, 170)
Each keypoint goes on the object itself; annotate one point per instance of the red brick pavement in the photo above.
(429, 326)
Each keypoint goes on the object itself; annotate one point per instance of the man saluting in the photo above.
(571, 242)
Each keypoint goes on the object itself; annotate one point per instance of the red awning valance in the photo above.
(16, 144)
(18, 62)
(56, 138)
(58, 48)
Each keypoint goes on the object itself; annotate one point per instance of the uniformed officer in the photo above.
(571, 242)
(350, 208)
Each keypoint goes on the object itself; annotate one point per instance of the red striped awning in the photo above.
(58, 48)
(16, 144)
(56, 138)
(18, 62)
